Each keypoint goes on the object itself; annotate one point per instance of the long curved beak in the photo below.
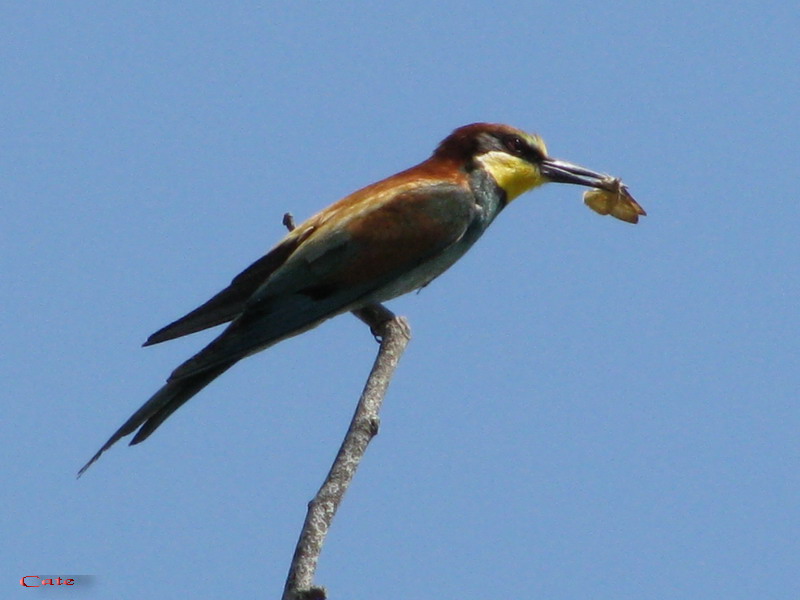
(561, 171)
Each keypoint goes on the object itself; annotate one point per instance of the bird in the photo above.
(384, 240)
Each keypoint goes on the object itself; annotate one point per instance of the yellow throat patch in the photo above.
(515, 175)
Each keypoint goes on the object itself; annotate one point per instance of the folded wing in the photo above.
(229, 303)
(344, 262)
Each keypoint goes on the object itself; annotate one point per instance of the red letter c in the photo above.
(22, 581)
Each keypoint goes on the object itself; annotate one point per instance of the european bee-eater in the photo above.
(389, 238)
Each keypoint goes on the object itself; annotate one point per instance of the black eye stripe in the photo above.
(522, 148)
(515, 144)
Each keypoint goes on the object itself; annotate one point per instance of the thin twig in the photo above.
(394, 335)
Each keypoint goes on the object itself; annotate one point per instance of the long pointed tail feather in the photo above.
(161, 405)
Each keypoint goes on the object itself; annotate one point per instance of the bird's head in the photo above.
(516, 160)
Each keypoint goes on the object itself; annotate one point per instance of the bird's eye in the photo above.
(515, 145)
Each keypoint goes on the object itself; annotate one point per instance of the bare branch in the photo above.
(394, 334)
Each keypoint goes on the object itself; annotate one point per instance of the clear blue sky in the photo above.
(588, 409)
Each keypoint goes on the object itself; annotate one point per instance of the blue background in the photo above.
(587, 409)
